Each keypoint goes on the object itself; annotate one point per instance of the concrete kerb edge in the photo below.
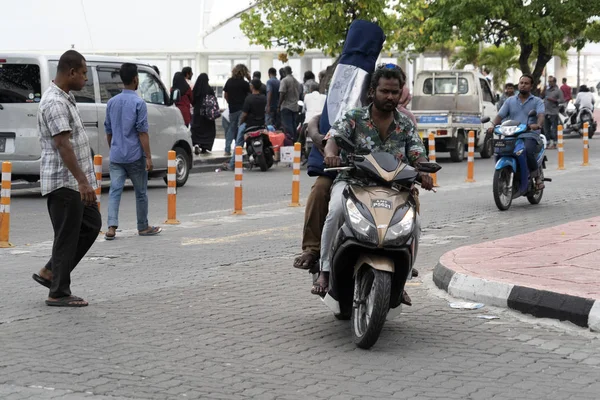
(539, 303)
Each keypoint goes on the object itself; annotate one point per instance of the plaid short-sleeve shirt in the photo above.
(58, 113)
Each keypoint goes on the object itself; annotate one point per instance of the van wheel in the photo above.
(182, 166)
(488, 147)
(458, 154)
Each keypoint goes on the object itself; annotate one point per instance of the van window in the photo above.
(110, 83)
(485, 91)
(85, 95)
(446, 86)
(20, 83)
(150, 89)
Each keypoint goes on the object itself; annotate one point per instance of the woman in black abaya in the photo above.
(203, 129)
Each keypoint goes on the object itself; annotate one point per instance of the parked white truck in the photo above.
(450, 104)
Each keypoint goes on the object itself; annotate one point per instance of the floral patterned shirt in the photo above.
(402, 141)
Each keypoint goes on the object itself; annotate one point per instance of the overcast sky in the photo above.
(114, 24)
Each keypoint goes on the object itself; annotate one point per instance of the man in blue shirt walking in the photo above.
(517, 108)
(126, 129)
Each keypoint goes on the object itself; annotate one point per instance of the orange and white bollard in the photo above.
(5, 205)
(296, 176)
(471, 158)
(432, 157)
(172, 189)
(561, 149)
(586, 144)
(237, 190)
(98, 171)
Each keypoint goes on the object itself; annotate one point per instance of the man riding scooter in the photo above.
(377, 127)
(518, 108)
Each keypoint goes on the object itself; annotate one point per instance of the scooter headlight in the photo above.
(397, 233)
(362, 227)
(508, 130)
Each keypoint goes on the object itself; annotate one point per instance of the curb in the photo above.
(539, 303)
(208, 164)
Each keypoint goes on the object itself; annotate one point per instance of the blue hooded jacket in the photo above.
(350, 81)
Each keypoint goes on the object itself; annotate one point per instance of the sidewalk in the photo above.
(550, 273)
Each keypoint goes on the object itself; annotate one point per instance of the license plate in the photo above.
(499, 143)
(2, 145)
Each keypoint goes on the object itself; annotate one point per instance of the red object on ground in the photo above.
(562, 259)
(277, 138)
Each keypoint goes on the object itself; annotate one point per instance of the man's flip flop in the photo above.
(154, 230)
(42, 281)
(69, 301)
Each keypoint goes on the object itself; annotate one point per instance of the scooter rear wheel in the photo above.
(502, 191)
(371, 305)
(262, 162)
(536, 197)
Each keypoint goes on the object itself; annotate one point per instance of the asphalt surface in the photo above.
(212, 308)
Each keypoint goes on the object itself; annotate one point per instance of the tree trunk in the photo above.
(526, 50)
(544, 56)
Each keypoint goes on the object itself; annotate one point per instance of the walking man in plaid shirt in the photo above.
(67, 180)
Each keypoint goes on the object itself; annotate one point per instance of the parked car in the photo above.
(451, 103)
(25, 77)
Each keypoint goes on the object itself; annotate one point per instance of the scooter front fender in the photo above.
(380, 263)
(507, 162)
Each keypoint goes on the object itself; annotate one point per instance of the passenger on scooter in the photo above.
(377, 127)
(517, 108)
(584, 99)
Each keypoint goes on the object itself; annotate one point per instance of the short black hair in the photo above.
(70, 59)
(272, 71)
(256, 84)
(528, 76)
(155, 68)
(128, 72)
(564, 80)
(288, 70)
(256, 75)
(186, 70)
(388, 73)
(308, 75)
(509, 85)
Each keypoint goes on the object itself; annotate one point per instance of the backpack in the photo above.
(210, 107)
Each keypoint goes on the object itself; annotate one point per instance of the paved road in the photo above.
(213, 309)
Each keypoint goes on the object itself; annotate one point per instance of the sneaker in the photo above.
(196, 149)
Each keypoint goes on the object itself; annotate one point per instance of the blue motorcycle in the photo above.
(512, 178)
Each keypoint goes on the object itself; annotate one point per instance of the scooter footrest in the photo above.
(547, 179)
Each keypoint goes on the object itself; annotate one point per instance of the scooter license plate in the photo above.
(499, 143)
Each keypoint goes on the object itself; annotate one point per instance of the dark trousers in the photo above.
(315, 213)
(76, 227)
(288, 120)
(551, 127)
(531, 149)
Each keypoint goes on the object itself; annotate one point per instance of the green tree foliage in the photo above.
(499, 60)
(297, 25)
(538, 27)
(465, 54)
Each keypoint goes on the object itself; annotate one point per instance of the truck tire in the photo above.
(458, 154)
(488, 147)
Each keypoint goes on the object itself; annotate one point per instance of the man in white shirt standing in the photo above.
(314, 102)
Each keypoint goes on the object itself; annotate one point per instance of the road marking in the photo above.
(232, 238)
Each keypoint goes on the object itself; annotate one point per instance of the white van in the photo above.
(25, 77)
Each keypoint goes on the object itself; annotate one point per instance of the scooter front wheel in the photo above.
(503, 188)
(371, 304)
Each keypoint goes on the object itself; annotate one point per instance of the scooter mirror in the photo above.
(429, 167)
(485, 120)
(532, 113)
